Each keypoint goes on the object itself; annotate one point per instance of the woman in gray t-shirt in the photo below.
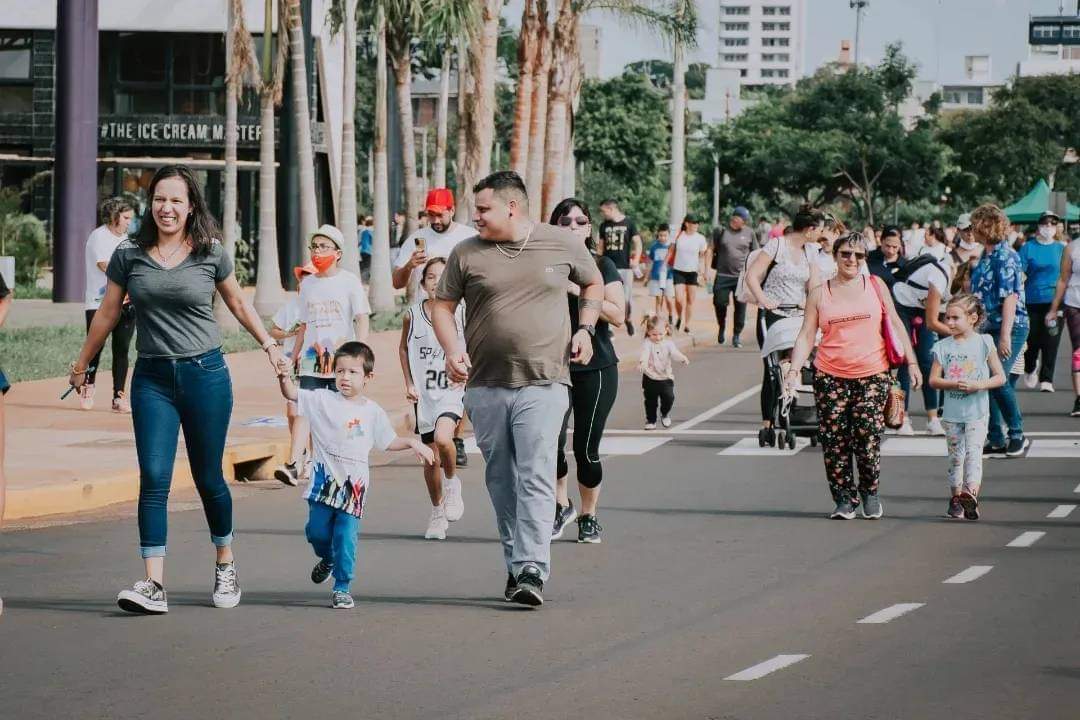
(172, 271)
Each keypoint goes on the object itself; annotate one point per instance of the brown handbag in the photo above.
(894, 406)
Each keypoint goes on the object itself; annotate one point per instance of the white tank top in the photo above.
(427, 364)
(1072, 290)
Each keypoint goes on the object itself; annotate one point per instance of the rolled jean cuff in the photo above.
(222, 541)
(152, 551)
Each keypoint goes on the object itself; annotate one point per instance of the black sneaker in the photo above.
(588, 529)
(146, 597)
(1076, 408)
(511, 588)
(678, 323)
(629, 328)
(956, 510)
(1017, 447)
(720, 339)
(970, 504)
(563, 517)
(321, 571)
(529, 588)
(462, 457)
(736, 342)
(287, 474)
(991, 451)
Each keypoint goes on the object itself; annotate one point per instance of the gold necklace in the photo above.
(165, 260)
(507, 255)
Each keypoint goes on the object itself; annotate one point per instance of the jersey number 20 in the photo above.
(436, 380)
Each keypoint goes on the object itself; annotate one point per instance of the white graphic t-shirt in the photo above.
(328, 306)
(99, 248)
(435, 245)
(343, 433)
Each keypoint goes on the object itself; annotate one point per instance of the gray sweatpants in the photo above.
(517, 430)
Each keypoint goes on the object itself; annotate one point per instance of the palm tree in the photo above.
(534, 167)
(402, 28)
(347, 220)
(268, 291)
(309, 217)
(527, 56)
(381, 292)
(480, 128)
(444, 22)
(461, 211)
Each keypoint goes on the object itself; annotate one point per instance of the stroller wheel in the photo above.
(763, 437)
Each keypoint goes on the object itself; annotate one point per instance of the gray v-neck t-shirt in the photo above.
(174, 307)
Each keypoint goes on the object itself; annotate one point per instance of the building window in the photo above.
(975, 97)
(152, 74)
(737, 10)
(1045, 32)
(742, 72)
(1070, 32)
(736, 42)
(775, 26)
(951, 97)
(775, 42)
(16, 82)
(735, 57)
(775, 57)
(776, 10)
(736, 27)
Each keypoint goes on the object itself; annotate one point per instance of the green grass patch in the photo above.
(32, 292)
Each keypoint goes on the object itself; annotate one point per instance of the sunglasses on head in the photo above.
(848, 254)
(566, 221)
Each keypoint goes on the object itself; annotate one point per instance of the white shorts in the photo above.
(656, 288)
(429, 409)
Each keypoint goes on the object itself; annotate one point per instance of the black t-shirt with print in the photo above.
(603, 351)
(617, 237)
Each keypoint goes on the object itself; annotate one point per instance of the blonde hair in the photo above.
(989, 224)
(651, 322)
(970, 304)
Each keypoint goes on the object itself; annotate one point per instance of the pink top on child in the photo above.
(851, 342)
(655, 359)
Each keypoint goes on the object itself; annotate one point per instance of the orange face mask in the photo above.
(323, 263)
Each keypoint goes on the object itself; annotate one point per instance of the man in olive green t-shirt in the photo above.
(513, 279)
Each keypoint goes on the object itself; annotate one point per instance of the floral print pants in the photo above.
(851, 419)
(965, 441)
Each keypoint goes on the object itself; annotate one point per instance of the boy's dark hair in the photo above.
(357, 349)
(662, 228)
(503, 183)
(610, 202)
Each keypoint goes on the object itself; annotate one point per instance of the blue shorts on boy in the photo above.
(343, 433)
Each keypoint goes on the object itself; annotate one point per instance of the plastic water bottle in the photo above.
(1053, 327)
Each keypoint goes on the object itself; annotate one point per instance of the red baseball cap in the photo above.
(439, 200)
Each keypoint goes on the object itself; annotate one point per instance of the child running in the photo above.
(345, 426)
(658, 376)
(439, 404)
(966, 366)
(661, 284)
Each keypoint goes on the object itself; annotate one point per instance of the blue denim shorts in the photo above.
(4, 384)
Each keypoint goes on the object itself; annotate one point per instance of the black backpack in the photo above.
(906, 271)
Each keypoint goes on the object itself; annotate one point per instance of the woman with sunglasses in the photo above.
(851, 379)
(921, 294)
(593, 387)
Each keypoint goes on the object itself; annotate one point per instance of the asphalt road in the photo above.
(716, 564)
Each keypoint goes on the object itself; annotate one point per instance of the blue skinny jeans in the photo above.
(923, 339)
(1004, 407)
(333, 535)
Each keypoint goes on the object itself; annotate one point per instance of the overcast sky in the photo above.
(937, 34)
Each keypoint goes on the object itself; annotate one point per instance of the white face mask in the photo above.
(968, 245)
(1047, 232)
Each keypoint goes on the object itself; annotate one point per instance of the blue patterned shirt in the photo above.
(998, 275)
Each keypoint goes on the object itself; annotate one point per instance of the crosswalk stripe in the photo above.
(965, 576)
(890, 613)
(1026, 539)
(1061, 511)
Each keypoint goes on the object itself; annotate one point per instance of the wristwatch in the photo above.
(591, 329)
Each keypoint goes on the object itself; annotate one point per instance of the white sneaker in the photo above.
(1046, 387)
(226, 586)
(145, 597)
(650, 426)
(1031, 380)
(934, 427)
(665, 421)
(906, 428)
(437, 525)
(452, 500)
(86, 397)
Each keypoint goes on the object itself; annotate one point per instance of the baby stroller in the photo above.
(793, 413)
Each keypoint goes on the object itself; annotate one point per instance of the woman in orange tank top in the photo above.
(852, 376)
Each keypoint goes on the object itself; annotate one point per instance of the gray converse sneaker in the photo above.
(341, 600)
(226, 586)
(872, 508)
(146, 596)
(845, 510)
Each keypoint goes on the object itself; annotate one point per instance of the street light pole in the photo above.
(858, 6)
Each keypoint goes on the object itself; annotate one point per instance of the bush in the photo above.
(23, 236)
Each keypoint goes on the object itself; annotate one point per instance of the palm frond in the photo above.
(677, 20)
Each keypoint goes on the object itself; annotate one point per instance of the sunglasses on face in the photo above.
(568, 221)
(848, 254)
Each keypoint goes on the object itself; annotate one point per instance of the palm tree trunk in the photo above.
(677, 203)
(347, 220)
(309, 217)
(439, 171)
(225, 319)
(534, 168)
(381, 293)
(269, 294)
(480, 129)
(565, 58)
(527, 51)
(464, 190)
(403, 85)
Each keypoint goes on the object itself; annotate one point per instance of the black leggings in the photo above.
(592, 395)
(1041, 342)
(121, 341)
(657, 390)
(765, 320)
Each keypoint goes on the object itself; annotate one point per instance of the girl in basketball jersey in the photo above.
(438, 403)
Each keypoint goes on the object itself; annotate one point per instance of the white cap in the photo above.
(963, 222)
(330, 233)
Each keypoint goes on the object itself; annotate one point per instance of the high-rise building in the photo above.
(764, 40)
(1053, 45)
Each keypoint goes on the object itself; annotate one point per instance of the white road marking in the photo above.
(965, 576)
(750, 446)
(1026, 539)
(1054, 449)
(914, 447)
(673, 432)
(726, 405)
(890, 613)
(769, 666)
(608, 446)
(1076, 489)
(1061, 511)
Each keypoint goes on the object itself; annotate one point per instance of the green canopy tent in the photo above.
(1028, 208)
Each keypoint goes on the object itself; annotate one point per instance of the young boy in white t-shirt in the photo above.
(345, 427)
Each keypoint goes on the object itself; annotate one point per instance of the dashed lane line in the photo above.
(1061, 511)
(766, 668)
(1026, 539)
(965, 576)
(890, 613)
